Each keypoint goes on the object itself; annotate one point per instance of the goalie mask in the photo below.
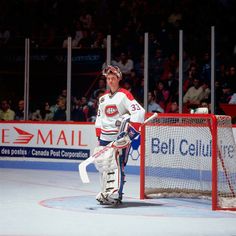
(113, 70)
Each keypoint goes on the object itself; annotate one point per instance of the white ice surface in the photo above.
(42, 203)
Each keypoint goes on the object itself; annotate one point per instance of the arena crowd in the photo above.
(48, 24)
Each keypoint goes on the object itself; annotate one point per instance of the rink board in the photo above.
(53, 146)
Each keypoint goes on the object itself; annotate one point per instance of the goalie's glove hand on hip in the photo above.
(124, 138)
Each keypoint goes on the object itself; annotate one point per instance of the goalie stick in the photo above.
(83, 165)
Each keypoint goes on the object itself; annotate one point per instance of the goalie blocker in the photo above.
(124, 138)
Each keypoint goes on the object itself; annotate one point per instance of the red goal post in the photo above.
(189, 155)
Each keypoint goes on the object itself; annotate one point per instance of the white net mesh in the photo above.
(178, 157)
(226, 163)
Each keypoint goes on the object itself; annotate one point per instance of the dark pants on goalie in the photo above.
(123, 159)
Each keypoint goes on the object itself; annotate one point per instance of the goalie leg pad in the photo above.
(112, 177)
(106, 161)
(113, 184)
(99, 196)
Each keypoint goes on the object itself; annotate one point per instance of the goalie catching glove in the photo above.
(125, 138)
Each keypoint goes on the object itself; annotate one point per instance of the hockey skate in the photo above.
(112, 199)
(100, 198)
(107, 199)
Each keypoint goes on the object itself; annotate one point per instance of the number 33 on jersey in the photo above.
(112, 107)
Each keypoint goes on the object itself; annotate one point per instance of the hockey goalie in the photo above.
(118, 120)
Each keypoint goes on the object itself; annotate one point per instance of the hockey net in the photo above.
(189, 155)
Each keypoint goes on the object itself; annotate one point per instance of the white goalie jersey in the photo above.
(111, 108)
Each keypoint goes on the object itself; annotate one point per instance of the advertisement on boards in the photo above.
(47, 140)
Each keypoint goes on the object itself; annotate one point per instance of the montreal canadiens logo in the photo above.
(111, 110)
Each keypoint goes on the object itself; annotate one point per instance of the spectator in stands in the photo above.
(205, 103)
(86, 19)
(196, 93)
(162, 93)
(98, 95)
(92, 103)
(36, 116)
(92, 111)
(86, 41)
(55, 106)
(173, 105)
(218, 96)
(84, 107)
(233, 99)
(63, 93)
(100, 40)
(218, 91)
(172, 83)
(101, 86)
(186, 65)
(231, 77)
(191, 75)
(220, 74)
(126, 65)
(205, 67)
(20, 110)
(60, 113)
(5, 111)
(94, 106)
(114, 61)
(79, 32)
(175, 17)
(226, 93)
(169, 65)
(139, 90)
(139, 66)
(156, 66)
(152, 105)
(46, 112)
(136, 83)
(127, 84)
(77, 113)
